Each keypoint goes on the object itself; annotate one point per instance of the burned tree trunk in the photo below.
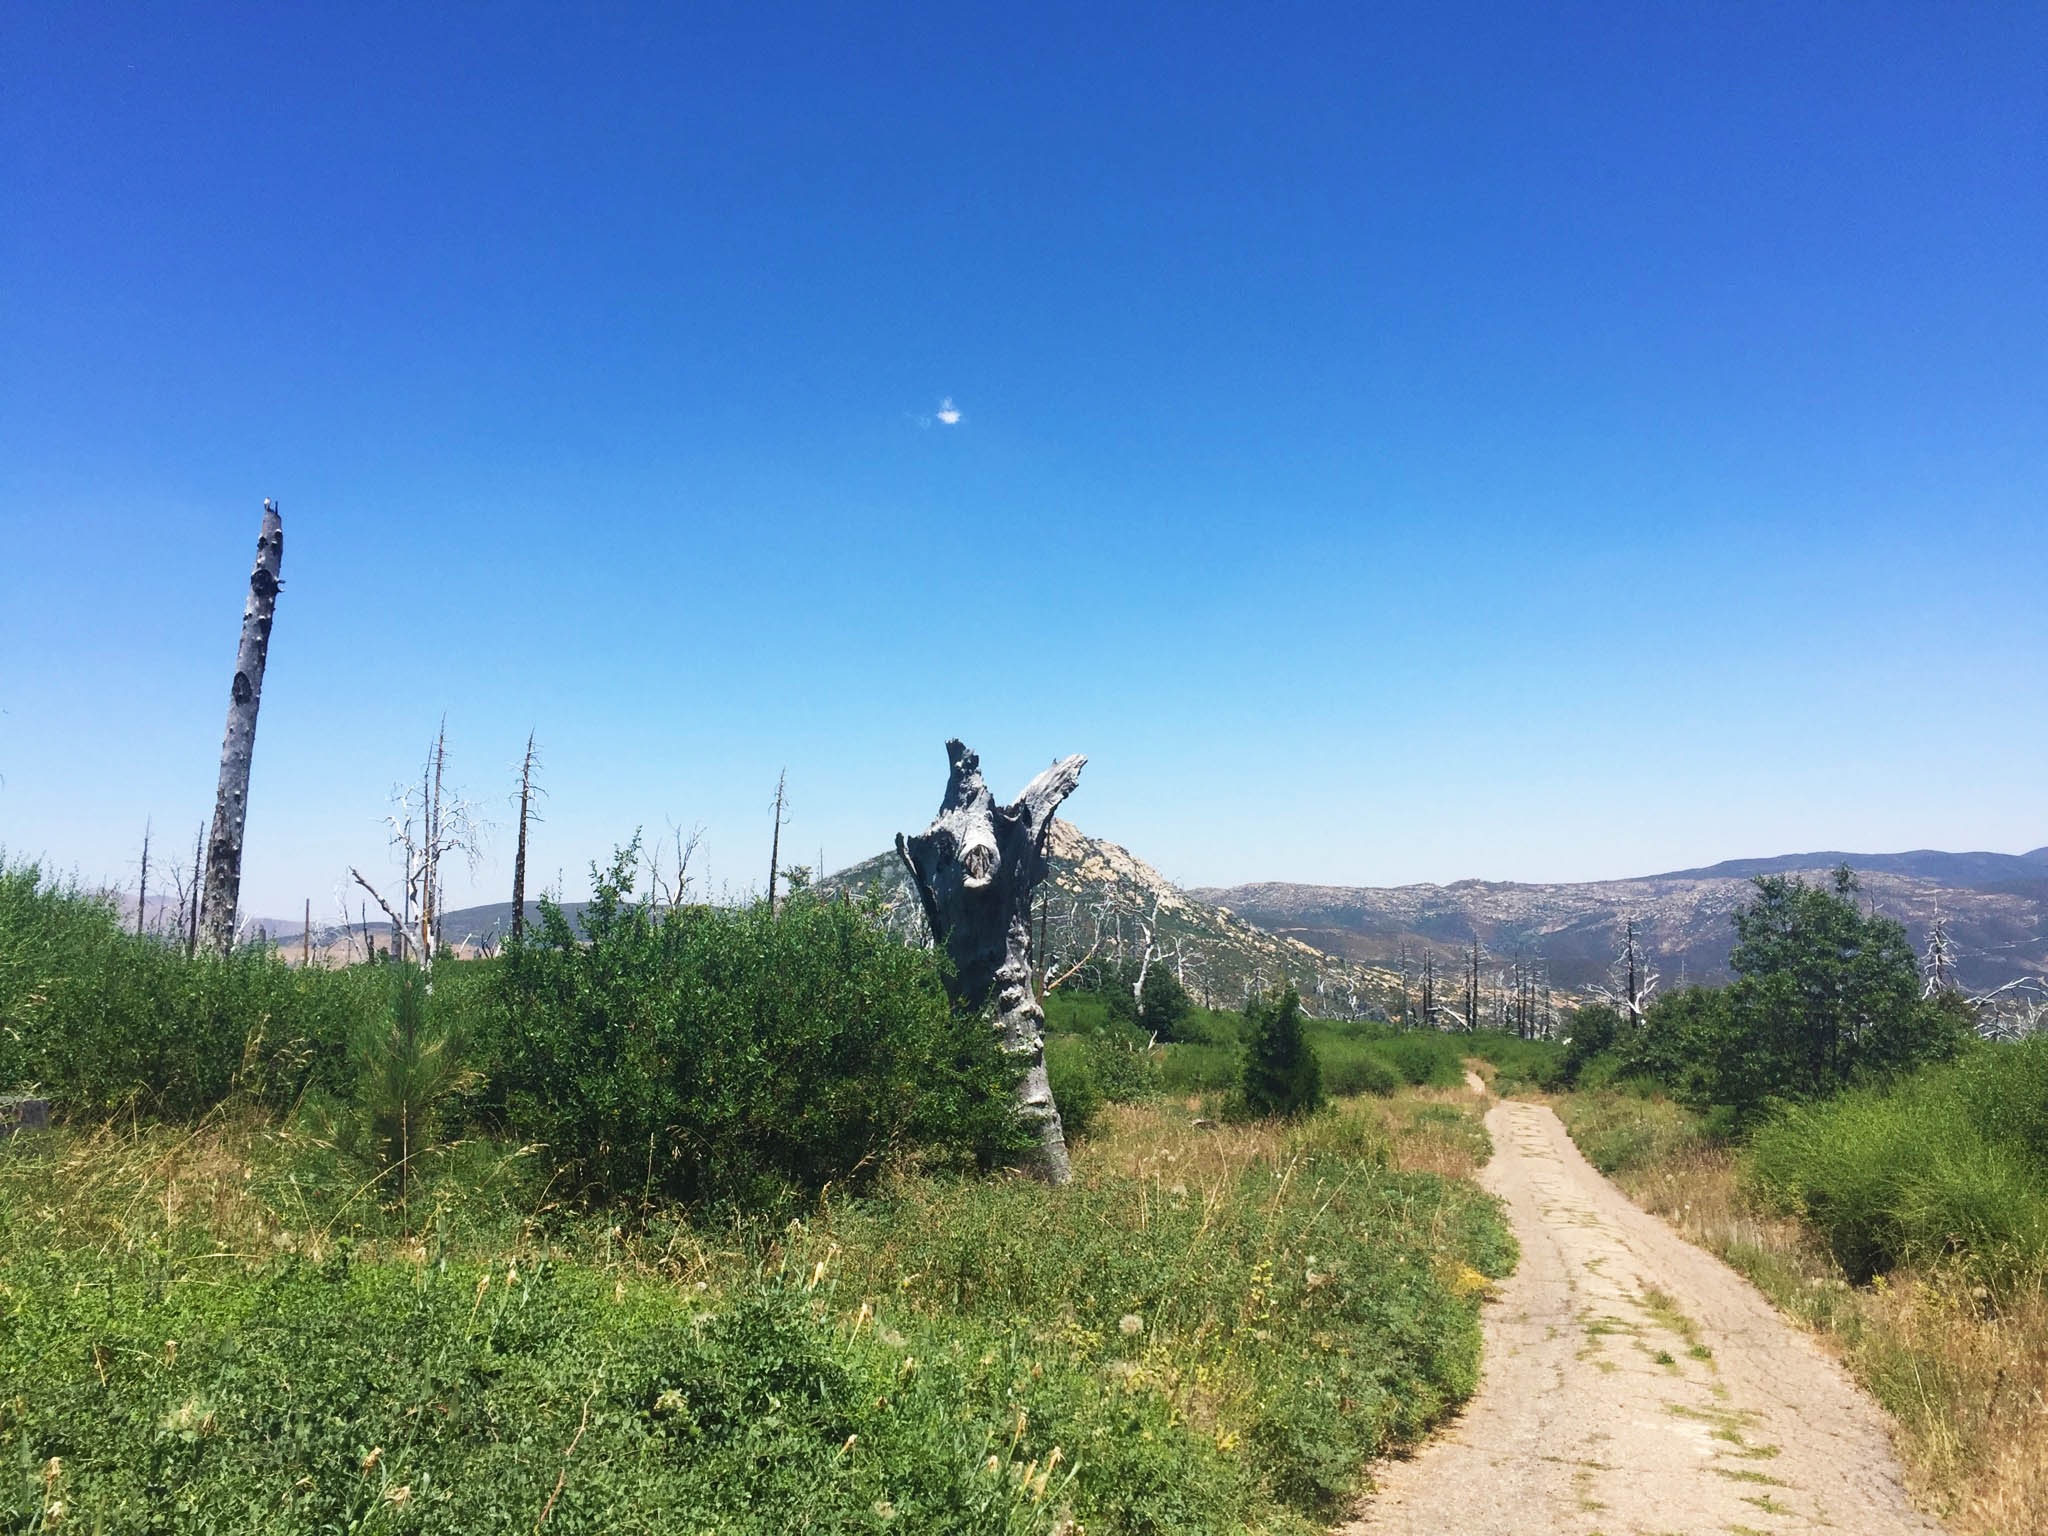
(975, 868)
(231, 802)
(519, 861)
(775, 845)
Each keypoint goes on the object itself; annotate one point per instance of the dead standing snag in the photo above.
(222, 881)
(975, 868)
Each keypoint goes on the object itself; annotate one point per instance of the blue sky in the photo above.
(1534, 442)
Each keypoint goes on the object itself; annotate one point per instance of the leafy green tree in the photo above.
(1825, 995)
(1164, 1005)
(1829, 993)
(1592, 1031)
(1281, 1075)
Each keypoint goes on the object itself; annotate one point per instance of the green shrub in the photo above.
(733, 1055)
(1353, 1066)
(99, 1018)
(1903, 1174)
(1281, 1075)
(1518, 1063)
(1200, 1068)
(1127, 1071)
(1426, 1059)
(2004, 1089)
(1076, 1091)
(410, 1074)
(1590, 1032)
(1164, 1006)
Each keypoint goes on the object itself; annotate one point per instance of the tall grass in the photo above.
(102, 1019)
(1209, 1330)
(1624, 1132)
(1940, 1167)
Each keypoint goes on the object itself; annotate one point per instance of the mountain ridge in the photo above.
(1995, 908)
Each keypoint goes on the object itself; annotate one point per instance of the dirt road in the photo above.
(1635, 1384)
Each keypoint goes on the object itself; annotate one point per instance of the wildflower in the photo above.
(1129, 1324)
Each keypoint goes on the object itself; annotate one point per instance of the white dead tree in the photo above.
(1631, 984)
(664, 895)
(1147, 946)
(1061, 966)
(427, 825)
(2014, 1010)
(1938, 963)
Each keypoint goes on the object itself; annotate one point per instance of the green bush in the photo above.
(1518, 1063)
(1904, 1174)
(1426, 1059)
(1076, 1091)
(100, 1019)
(1164, 1006)
(2004, 1089)
(1127, 1071)
(734, 1055)
(1590, 1032)
(1353, 1066)
(1281, 1075)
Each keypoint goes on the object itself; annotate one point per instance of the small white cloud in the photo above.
(949, 413)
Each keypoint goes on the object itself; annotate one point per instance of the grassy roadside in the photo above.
(1964, 1374)
(1212, 1329)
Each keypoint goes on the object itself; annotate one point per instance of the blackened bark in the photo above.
(519, 860)
(975, 869)
(231, 801)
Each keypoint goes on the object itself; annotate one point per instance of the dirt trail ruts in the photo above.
(1635, 1384)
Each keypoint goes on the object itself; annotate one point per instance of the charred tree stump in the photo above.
(231, 802)
(975, 868)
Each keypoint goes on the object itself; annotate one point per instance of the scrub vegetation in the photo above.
(338, 1252)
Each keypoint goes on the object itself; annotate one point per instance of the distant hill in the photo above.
(1995, 906)
(1099, 901)
(1974, 870)
(469, 929)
